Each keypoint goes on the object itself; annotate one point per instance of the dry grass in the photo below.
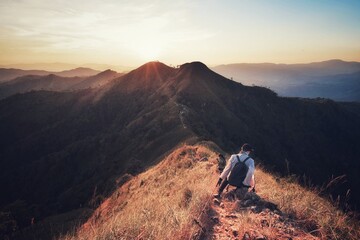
(315, 214)
(161, 203)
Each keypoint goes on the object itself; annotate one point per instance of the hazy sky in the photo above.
(131, 32)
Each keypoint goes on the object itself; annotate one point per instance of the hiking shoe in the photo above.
(217, 196)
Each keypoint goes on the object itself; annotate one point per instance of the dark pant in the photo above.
(225, 182)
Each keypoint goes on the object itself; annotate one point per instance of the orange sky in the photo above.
(129, 33)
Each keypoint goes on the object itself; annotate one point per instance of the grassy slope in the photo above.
(158, 204)
(165, 201)
(316, 214)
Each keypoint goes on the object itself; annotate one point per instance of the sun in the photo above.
(149, 52)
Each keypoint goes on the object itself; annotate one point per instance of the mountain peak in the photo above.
(197, 70)
(80, 72)
(335, 60)
(151, 71)
(106, 72)
(195, 67)
(82, 68)
(153, 66)
(151, 75)
(51, 76)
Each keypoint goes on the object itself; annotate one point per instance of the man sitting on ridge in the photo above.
(238, 172)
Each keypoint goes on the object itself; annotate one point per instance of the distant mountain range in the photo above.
(334, 79)
(53, 82)
(7, 74)
(61, 150)
(59, 66)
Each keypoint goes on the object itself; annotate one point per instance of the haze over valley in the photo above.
(334, 79)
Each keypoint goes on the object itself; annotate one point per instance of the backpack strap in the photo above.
(238, 158)
(246, 159)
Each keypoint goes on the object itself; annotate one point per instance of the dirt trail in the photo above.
(254, 218)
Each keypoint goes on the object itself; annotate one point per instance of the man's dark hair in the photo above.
(247, 147)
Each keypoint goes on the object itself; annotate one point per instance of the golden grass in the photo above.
(164, 201)
(316, 214)
(160, 203)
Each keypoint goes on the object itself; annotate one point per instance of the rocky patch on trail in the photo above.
(249, 217)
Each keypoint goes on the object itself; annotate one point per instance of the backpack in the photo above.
(238, 173)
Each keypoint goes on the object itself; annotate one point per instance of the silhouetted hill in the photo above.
(7, 74)
(97, 80)
(32, 82)
(55, 83)
(147, 77)
(319, 79)
(59, 66)
(65, 150)
(78, 72)
(330, 67)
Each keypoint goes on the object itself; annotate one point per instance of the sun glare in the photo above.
(148, 52)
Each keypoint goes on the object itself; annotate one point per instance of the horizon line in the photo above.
(128, 68)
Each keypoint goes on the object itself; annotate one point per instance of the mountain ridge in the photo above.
(7, 74)
(318, 63)
(160, 204)
(95, 137)
(53, 82)
(293, 80)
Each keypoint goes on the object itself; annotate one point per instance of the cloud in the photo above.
(92, 24)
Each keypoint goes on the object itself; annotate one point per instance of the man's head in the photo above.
(247, 148)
